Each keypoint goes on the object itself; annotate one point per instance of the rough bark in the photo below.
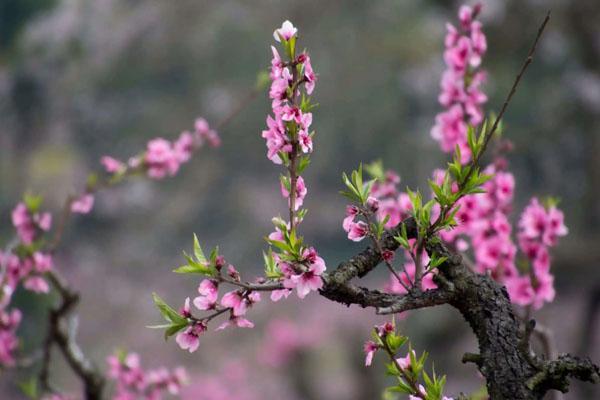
(511, 370)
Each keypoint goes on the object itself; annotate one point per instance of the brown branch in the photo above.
(504, 357)
(555, 374)
(60, 334)
(513, 89)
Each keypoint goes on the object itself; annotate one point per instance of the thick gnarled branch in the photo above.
(510, 370)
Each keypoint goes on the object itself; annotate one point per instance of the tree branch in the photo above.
(555, 374)
(60, 334)
(511, 371)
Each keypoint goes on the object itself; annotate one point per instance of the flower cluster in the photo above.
(162, 157)
(9, 322)
(304, 274)
(293, 265)
(188, 327)
(25, 263)
(288, 129)
(134, 383)
(539, 229)
(483, 219)
(28, 261)
(29, 223)
(461, 95)
(289, 142)
(378, 206)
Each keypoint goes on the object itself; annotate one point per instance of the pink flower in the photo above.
(233, 273)
(351, 213)
(42, 261)
(23, 223)
(277, 295)
(292, 113)
(112, 165)
(309, 76)
(300, 193)
(460, 94)
(505, 187)
(189, 338)
(544, 289)
(278, 90)
(388, 255)
(236, 302)
(404, 362)
(465, 16)
(236, 321)
(309, 280)
(286, 32)
(520, 290)
(555, 226)
(36, 284)
(161, 159)
(43, 220)
(305, 140)
(358, 231)
(384, 329)
(184, 147)
(457, 57)
(276, 139)
(537, 223)
(203, 132)
(209, 293)
(373, 203)
(370, 348)
(276, 64)
(478, 42)
(83, 204)
(9, 342)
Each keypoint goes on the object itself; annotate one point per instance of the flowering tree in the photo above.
(452, 246)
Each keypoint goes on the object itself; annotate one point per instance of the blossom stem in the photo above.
(411, 381)
(380, 251)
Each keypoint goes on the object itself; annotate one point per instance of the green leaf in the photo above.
(168, 313)
(403, 242)
(33, 202)
(213, 256)
(471, 139)
(271, 269)
(303, 163)
(376, 170)
(395, 341)
(29, 387)
(175, 328)
(401, 387)
(198, 253)
(437, 191)
(280, 245)
(391, 369)
(436, 261)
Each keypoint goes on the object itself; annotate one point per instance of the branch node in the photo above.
(472, 358)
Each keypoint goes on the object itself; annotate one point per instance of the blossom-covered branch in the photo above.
(29, 262)
(289, 263)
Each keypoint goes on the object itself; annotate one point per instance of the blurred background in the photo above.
(83, 78)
